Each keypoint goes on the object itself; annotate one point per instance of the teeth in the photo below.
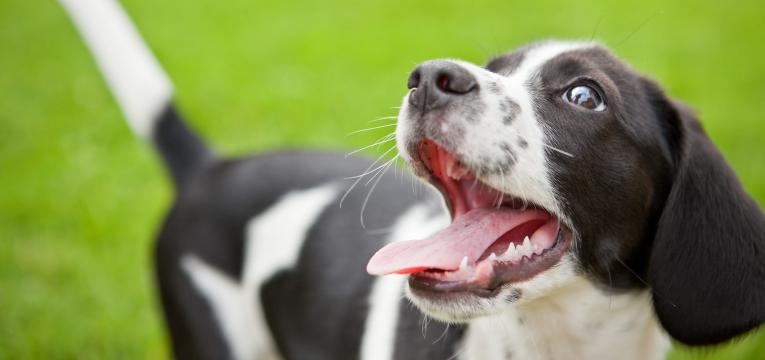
(455, 170)
(527, 248)
(464, 264)
(514, 253)
(510, 253)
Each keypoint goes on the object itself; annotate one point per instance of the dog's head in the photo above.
(558, 161)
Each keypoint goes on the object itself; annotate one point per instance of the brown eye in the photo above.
(584, 96)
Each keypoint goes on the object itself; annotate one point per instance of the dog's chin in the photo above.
(459, 308)
(462, 307)
(460, 303)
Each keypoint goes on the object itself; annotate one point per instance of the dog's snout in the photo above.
(435, 83)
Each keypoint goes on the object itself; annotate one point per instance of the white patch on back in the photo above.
(275, 237)
(273, 242)
(134, 76)
(225, 296)
(378, 340)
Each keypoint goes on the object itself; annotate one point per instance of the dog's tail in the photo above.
(142, 89)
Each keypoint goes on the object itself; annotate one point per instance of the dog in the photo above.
(568, 209)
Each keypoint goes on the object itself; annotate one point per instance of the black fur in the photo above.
(653, 202)
(181, 149)
(707, 265)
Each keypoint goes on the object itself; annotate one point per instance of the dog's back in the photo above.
(243, 269)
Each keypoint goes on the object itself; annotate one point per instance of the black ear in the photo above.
(707, 264)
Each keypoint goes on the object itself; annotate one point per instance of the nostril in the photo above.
(455, 81)
(414, 79)
(443, 81)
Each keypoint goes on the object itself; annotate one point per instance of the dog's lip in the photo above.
(455, 201)
(503, 274)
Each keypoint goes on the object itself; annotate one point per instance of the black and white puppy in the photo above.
(588, 216)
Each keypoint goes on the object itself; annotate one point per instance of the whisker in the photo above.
(525, 202)
(524, 197)
(500, 194)
(640, 27)
(387, 164)
(369, 195)
(611, 284)
(558, 150)
(365, 173)
(443, 334)
(424, 322)
(545, 145)
(384, 118)
(414, 189)
(370, 129)
(380, 141)
(551, 147)
(380, 231)
(399, 167)
(641, 279)
(595, 30)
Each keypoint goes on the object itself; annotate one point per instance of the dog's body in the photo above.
(288, 240)
(263, 257)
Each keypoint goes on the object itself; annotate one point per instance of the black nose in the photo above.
(437, 82)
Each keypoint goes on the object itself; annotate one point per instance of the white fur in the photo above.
(135, 77)
(273, 242)
(379, 335)
(576, 321)
(228, 304)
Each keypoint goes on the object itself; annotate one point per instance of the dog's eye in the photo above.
(584, 96)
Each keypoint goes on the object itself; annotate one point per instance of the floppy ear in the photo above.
(707, 264)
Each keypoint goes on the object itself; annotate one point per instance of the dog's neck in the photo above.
(576, 322)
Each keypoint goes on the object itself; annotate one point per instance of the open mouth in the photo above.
(494, 238)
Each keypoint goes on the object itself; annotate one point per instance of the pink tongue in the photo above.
(469, 235)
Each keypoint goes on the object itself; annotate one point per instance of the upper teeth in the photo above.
(455, 170)
(464, 264)
(527, 244)
(511, 253)
(515, 253)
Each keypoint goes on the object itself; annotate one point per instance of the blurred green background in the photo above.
(81, 198)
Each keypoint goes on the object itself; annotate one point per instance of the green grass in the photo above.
(81, 198)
